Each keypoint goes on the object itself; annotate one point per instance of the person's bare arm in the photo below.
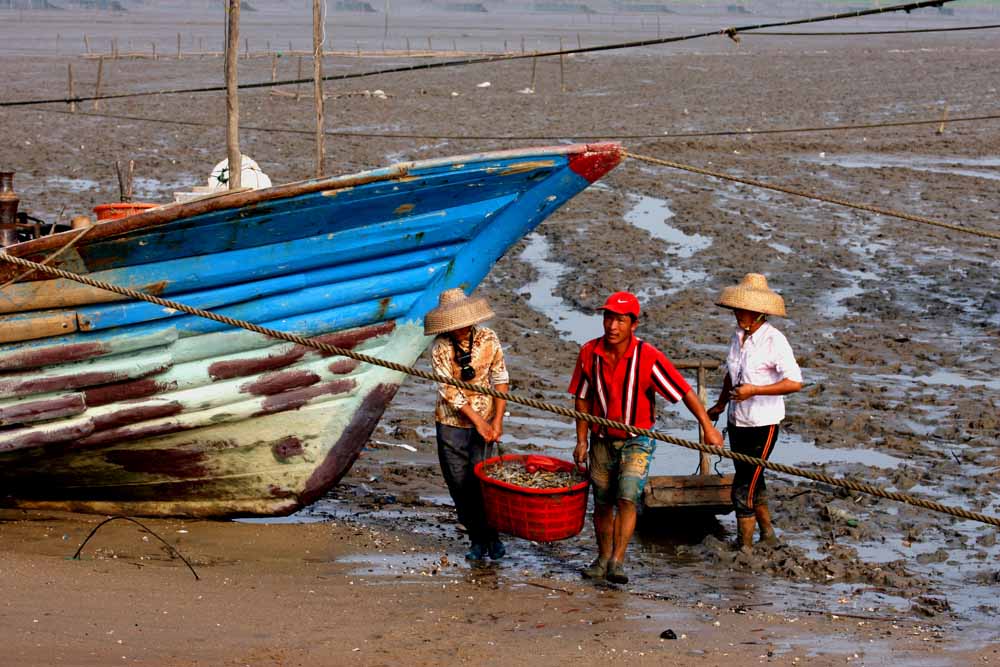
(712, 435)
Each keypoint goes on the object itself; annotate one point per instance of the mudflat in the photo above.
(894, 323)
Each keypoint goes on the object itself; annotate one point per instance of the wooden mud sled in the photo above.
(704, 492)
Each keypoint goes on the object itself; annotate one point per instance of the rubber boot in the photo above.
(767, 535)
(745, 526)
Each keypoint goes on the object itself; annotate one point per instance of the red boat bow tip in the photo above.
(597, 160)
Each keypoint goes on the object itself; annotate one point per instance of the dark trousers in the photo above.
(749, 487)
(459, 450)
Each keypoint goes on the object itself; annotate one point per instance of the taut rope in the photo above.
(812, 195)
(513, 398)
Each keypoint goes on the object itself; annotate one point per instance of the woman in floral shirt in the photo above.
(467, 421)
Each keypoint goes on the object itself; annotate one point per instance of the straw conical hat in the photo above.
(752, 294)
(454, 311)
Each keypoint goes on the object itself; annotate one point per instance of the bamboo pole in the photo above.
(69, 71)
(318, 82)
(232, 101)
(97, 86)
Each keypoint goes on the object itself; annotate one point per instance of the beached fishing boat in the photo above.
(117, 406)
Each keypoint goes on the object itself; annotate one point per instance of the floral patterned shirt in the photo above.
(487, 362)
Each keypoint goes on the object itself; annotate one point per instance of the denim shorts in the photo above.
(618, 468)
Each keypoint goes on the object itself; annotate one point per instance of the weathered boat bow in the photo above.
(116, 406)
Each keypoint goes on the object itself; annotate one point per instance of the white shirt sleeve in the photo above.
(784, 360)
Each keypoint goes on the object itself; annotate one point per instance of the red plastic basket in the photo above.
(540, 515)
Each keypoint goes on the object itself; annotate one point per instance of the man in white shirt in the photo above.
(762, 369)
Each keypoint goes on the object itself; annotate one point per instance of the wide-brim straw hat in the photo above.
(754, 295)
(454, 311)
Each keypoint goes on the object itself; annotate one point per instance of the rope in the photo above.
(537, 137)
(67, 246)
(990, 26)
(530, 402)
(729, 32)
(812, 195)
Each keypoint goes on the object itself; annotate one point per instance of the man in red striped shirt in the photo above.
(617, 376)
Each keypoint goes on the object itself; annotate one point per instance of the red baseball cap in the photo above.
(622, 303)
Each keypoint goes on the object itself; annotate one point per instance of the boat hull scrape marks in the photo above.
(143, 410)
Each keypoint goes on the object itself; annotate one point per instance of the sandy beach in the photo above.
(894, 323)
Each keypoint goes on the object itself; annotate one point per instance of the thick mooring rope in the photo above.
(818, 197)
(513, 398)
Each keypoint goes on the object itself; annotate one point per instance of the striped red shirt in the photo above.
(627, 392)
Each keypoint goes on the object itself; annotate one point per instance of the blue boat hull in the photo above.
(115, 406)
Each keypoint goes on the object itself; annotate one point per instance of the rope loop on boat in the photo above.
(812, 195)
(869, 489)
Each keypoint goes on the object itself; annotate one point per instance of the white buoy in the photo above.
(251, 175)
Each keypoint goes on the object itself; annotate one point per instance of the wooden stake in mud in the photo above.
(579, 42)
(318, 82)
(385, 32)
(562, 68)
(97, 86)
(704, 462)
(246, 48)
(114, 47)
(534, 68)
(178, 46)
(69, 71)
(86, 43)
(232, 101)
(407, 46)
(522, 45)
(155, 57)
(298, 86)
(125, 180)
(944, 119)
(274, 68)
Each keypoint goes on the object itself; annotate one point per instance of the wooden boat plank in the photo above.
(18, 357)
(709, 492)
(308, 215)
(29, 326)
(108, 316)
(424, 233)
(84, 374)
(43, 407)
